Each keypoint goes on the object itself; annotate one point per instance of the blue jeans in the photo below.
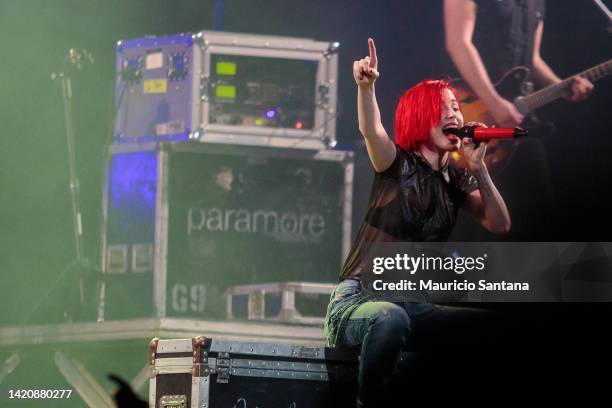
(383, 330)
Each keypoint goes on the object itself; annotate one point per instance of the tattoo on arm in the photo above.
(484, 183)
(494, 207)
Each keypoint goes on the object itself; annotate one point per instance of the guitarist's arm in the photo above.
(544, 75)
(541, 72)
(459, 23)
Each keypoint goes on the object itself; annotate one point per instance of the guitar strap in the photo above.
(532, 20)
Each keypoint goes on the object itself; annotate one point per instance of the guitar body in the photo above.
(513, 86)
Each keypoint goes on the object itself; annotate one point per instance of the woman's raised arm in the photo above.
(380, 147)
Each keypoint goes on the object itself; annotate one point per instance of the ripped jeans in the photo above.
(385, 329)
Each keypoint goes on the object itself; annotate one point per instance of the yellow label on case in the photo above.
(155, 86)
(225, 91)
(226, 68)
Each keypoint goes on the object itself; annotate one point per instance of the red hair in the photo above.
(419, 110)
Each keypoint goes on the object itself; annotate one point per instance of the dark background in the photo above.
(37, 242)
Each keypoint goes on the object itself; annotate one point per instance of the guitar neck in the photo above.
(546, 95)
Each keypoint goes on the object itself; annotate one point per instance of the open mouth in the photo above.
(450, 129)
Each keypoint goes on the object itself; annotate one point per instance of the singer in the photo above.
(415, 197)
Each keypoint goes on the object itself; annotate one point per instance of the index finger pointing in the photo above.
(373, 59)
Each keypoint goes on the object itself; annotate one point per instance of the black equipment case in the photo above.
(207, 373)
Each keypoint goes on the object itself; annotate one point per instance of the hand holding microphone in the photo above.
(474, 136)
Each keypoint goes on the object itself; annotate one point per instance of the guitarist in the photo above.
(485, 39)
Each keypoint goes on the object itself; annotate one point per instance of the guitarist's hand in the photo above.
(581, 89)
(365, 71)
(474, 154)
(505, 113)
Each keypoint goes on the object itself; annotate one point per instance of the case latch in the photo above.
(173, 401)
(223, 367)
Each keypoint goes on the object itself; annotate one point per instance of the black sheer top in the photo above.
(409, 201)
(504, 33)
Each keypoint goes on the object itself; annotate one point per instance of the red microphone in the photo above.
(480, 134)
